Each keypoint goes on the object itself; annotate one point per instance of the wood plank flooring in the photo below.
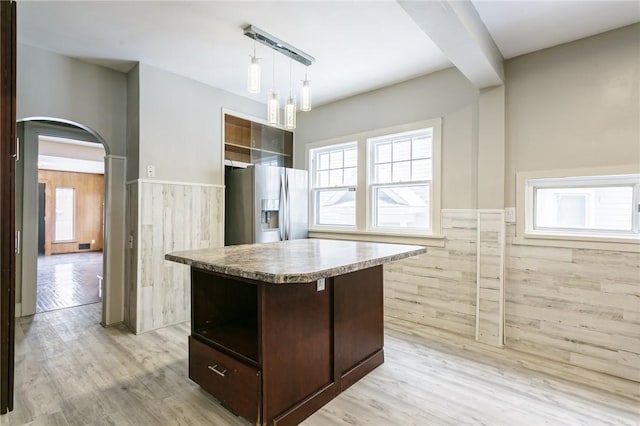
(67, 280)
(71, 371)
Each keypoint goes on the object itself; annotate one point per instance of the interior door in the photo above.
(8, 156)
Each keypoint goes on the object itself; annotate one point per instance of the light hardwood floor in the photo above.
(68, 280)
(71, 371)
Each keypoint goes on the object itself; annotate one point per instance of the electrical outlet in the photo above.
(320, 284)
(93, 241)
(510, 214)
(151, 171)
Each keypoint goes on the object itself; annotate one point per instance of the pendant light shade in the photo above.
(290, 113)
(273, 108)
(253, 75)
(253, 72)
(290, 106)
(305, 96)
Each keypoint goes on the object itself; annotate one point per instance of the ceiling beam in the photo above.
(456, 28)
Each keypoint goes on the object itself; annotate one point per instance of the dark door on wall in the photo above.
(42, 203)
(8, 156)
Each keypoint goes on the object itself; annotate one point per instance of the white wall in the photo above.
(56, 86)
(446, 94)
(181, 126)
(574, 106)
(133, 123)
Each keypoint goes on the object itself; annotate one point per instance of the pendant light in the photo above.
(290, 107)
(305, 94)
(273, 100)
(273, 96)
(253, 72)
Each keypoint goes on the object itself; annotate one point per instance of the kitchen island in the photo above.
(280, 329)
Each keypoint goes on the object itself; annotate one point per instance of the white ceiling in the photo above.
(359, 45)
(70, 155)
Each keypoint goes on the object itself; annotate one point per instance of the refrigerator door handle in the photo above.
(283, 208)
(287, 229)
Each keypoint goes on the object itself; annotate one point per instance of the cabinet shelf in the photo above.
(249, 148)
(249, 142)
(237, 338)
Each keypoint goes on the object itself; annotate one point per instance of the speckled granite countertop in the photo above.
(295, 261)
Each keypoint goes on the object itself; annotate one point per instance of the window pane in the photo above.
(351, 176)
(597, 208)
(383, 153)
(421, 170)
(350, 157)
(335, 177)
(402, 207)
(336, 160)
(336, 207)
(323, 179)
(383, 173)
(64, 220)
(323, 161)
(402, 150)
(402, 171)
(421, 148)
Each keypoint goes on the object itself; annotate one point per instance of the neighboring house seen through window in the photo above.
(600, 206)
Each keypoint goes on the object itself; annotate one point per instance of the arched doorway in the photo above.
(29, 131)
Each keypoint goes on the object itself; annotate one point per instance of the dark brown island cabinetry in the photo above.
(276, 353)
(279, 329)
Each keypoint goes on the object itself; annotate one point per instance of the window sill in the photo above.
(422, 240)
(580, 242)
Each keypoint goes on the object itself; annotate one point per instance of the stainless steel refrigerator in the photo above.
(265, 204)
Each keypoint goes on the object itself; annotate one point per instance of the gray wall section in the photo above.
(574, 106)
(133, 123)
(447, 94)
(53, 85)
(181, 126)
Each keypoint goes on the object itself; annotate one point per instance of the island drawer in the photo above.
(234, 383)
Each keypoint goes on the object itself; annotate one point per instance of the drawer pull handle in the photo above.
(214, 368)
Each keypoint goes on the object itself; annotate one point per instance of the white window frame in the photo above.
(73, 216)
(372, 185)
(363, 229)
(528, 182)
(315, 189)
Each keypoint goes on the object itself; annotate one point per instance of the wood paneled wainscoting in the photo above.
(573, 313)
(89, 208)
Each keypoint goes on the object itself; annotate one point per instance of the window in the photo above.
(400, 182)
(65, 214)
(384, 183)
(596, 206)
(335, 177)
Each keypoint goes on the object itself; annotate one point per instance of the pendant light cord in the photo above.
(290, 62)
(273, 74)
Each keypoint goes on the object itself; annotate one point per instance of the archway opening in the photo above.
(46, 283)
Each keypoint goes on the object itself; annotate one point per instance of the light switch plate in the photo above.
(151, 171)
(320, 284)
(510, 214)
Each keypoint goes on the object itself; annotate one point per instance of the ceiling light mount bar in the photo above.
(278, 45)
